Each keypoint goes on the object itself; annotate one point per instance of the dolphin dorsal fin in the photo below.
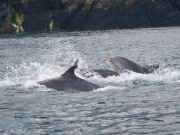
(70, 71)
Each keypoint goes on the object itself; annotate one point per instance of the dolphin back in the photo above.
(69, 82)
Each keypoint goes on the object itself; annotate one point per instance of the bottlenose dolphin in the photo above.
(121, 64)
(69, 82)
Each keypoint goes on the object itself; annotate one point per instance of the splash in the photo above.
(29, 73)
(166, 75)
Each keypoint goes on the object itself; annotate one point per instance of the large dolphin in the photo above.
(69, 82)
(120, 64)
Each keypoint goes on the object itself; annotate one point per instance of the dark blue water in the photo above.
(128, 104)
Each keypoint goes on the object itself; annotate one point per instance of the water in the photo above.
(128, 104)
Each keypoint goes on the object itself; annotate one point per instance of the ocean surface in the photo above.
(129, 104)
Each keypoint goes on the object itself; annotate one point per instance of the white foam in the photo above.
(30, 73)
(163, 75)
(108, 88)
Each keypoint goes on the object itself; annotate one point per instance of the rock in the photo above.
(75, 15)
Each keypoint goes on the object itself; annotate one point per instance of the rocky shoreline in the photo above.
(76, 15)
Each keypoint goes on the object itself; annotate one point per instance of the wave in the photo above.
(28, 74)
(164, 75)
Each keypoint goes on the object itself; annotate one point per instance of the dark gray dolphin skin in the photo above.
(102, 72)
(69, 82)
(120, 64)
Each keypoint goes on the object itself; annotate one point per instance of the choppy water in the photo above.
(129, 104)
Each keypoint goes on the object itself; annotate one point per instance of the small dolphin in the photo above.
(69, 82)
(120, 64)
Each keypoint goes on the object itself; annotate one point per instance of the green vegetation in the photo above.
(16, 20)
(51, 25)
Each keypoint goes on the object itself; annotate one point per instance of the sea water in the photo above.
(131, 103)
